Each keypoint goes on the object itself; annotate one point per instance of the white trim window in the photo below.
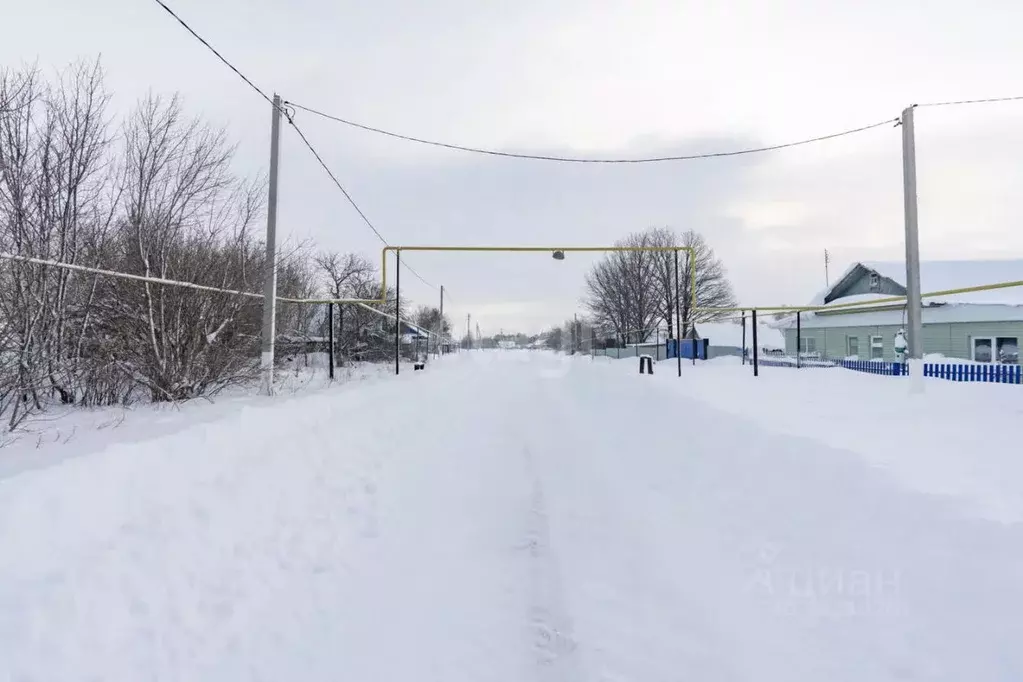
(996, 349)
(808, 347)
(875, 282)
(877, 348)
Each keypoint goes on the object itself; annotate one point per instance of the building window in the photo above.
(876, 347)
(852, 346)
(982, 349)
(808, 346)
(998, 349)
(1008, 349)
(875, 282)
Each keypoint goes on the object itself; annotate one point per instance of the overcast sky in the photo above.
(593, 77)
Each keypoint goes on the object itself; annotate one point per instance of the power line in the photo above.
(74, 267)
(337, 182)
(988, 100)
(575, 159)
(214, 51)
(420, 277)
(351, 201)
(291, 120)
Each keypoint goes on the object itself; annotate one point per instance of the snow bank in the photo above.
(59, 433)
(952, 440)
(730, 334)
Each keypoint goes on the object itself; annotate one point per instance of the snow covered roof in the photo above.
(730, 334)
(941, 275)
(895, 315)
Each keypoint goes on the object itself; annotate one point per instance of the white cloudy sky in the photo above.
(615, 77)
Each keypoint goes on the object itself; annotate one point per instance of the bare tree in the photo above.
(359, 333)
(343, 272)
(55, 204)
(712, 286)
(713, 290)
(628, 293)
(622, 292)
(153, 196)
(186, 217)
(429, 318)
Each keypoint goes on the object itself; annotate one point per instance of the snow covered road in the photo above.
(502, 516)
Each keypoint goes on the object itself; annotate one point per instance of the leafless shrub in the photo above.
(153, 195)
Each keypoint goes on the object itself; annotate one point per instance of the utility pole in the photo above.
(397, 311)
(440, 331)
(468, 334)
(575, 335)
(270, 264)
(914, 307)
(827, 260)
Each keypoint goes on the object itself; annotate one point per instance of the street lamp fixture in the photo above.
(558, 255)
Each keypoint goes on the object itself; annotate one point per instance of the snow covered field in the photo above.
(523, 516)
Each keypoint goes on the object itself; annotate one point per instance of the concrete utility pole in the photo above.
(270, 272)
(440, 331)
(914, 305)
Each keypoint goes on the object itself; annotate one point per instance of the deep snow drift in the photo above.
(516, 516)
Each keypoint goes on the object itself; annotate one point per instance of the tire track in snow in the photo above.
(635, 615)
(554, 645)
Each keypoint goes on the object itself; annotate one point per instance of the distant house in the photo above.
(725, 338)
(981, 326)
(412, 333)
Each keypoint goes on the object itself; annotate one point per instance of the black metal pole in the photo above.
(397, 311)
(756, 349)
(341, 331)
(743, 337)
(692, 311)
(799, 335)
(330, 339)
(678, 318)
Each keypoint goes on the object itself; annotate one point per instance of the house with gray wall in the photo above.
(984, 326)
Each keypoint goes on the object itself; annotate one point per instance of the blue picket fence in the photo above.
(792, 363)
(688, 348)
(888, 369)
(996, 374)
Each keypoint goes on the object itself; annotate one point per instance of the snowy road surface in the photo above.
(506, 516)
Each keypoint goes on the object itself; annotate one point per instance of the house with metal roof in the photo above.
(984, 326)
